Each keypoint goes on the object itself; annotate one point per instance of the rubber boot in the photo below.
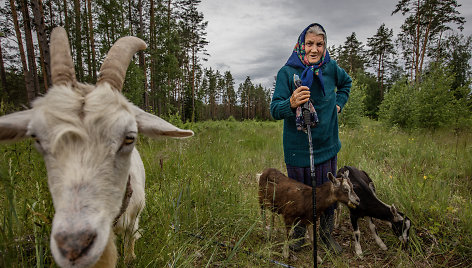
(298, 234)
(326, 228)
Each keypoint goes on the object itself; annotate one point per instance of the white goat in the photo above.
(86, 135)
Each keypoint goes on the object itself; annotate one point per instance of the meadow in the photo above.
(202, 210)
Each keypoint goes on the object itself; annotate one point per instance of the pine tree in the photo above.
(30, 94)
(351, 57)
(3, 75)
(230, 94)
(380, 53)
(39, 24)
(427, 20)
(193, 31)
(92, 42)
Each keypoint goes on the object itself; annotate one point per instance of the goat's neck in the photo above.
(384, 213)
(324, 197)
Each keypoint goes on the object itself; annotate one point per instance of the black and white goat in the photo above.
(372, 207)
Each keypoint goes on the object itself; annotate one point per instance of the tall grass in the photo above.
(201, 204)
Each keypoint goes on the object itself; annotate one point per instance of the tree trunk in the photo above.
(382, 77)
(142, 62)
(3, 74)
(78, 42)
(30, 46)
(38, 13)
(152, 46)
(130, 17)
(66, 16)
(425, 43)
(29, 82)
(87, 52)
(417, 41)
(193, 83)
(168, 90)
(51, 14)
(92, 42)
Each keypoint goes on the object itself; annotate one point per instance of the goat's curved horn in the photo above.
(62, 67)
(113, 70)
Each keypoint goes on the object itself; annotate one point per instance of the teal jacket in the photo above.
(325, 135)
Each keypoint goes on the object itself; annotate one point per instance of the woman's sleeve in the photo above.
(280, 104)
(343, 85)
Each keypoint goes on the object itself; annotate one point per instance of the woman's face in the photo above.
(314, 47)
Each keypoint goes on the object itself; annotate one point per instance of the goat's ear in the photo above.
(346, 173)
(332, 178)
(14, 126)
(154, 126)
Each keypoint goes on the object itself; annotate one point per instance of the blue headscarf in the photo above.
(298, 60)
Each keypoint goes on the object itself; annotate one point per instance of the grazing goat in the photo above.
(294, 200)
(87, 135)
(371, 207)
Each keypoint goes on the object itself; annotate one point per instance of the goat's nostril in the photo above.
(74, 245)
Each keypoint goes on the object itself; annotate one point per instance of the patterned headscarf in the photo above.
(298, 59)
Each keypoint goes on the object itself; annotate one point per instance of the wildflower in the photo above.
(452, 209)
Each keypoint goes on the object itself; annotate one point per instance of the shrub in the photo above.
(429, 104)
(435, 100)
(398, 105)
(354, 109)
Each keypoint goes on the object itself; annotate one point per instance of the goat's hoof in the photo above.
(130, 258)
(286, 253)
(293, 258)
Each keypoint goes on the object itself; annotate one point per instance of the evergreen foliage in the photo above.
(167, 78)
(419, 69)
(354, 109)
(430, 104)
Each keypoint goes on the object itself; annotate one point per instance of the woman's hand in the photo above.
(299, 96)
(338, 108)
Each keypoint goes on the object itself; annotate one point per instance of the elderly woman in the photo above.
(327, 87)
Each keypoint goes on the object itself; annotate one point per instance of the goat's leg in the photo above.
(311, 238)
(310, 232)
(271, 224)
(289, 228)
(357, 235)
(337, 215)
(130, 234)
(263, 217)
(375, 234)
(130, 239)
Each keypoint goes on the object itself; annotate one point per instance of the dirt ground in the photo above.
(373, 256)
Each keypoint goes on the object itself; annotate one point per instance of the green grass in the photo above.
(202, 192)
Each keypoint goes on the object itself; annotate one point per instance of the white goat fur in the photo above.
(86, 135)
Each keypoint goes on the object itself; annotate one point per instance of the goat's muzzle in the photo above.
(353, 203)
(72, 246)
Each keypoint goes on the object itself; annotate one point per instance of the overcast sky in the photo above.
(255, 37)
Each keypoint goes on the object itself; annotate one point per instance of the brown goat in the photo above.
(293, 199)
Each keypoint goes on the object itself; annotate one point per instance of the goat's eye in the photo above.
(128, 140)
(35, 138)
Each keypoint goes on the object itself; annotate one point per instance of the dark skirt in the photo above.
(303, 175)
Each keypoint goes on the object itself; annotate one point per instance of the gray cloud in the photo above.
(255, 37)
